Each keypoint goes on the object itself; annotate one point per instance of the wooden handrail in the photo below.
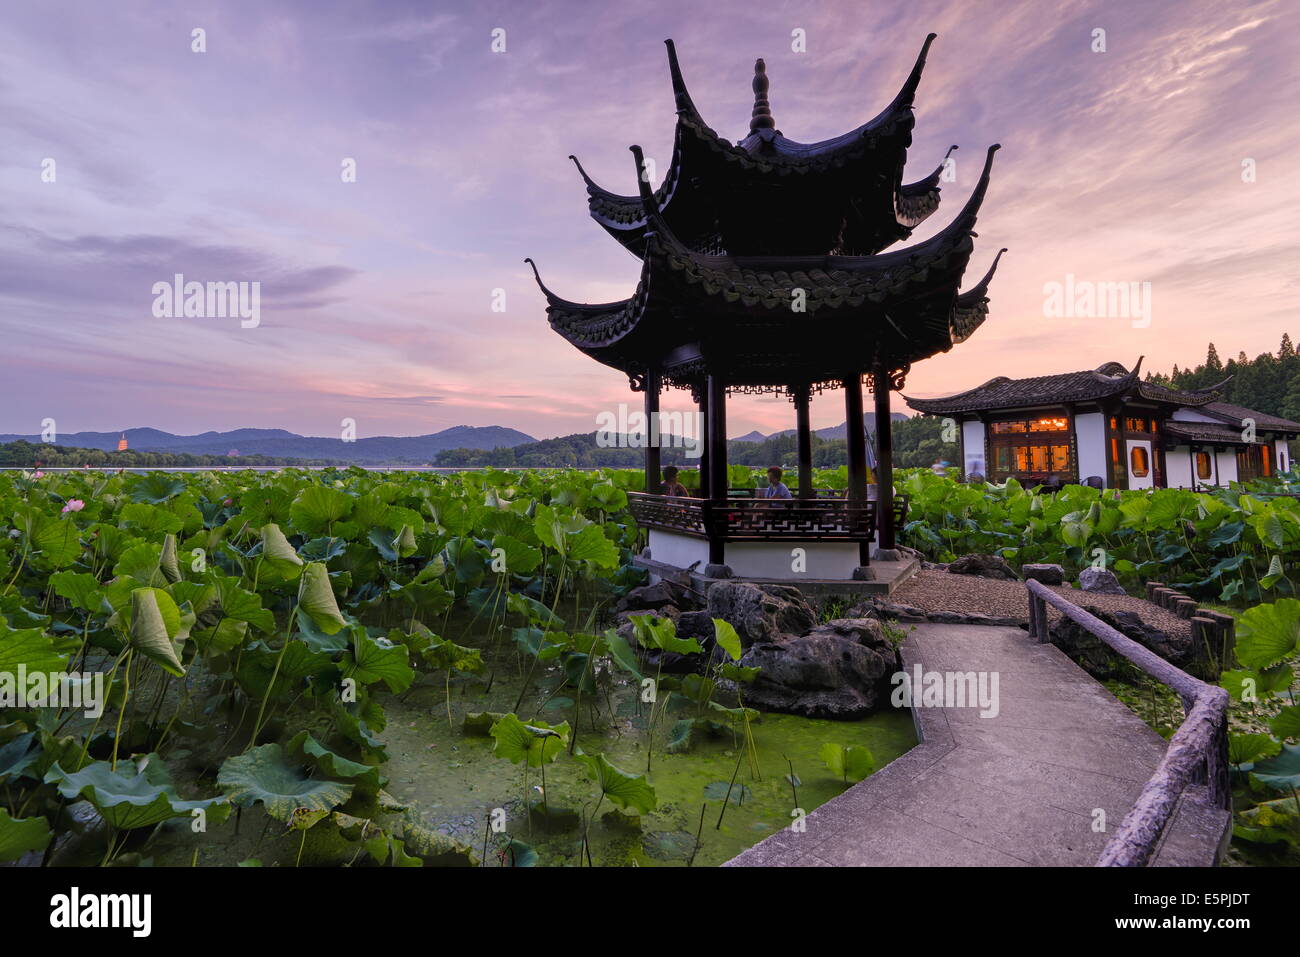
(1197, 753)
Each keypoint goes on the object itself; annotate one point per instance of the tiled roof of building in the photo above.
(1205, 432)
(1089, 385)
(1237, 415)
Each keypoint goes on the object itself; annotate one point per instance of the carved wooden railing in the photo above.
(759, 519)
(1197, 753)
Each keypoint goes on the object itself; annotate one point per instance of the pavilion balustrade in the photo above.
(745, 519)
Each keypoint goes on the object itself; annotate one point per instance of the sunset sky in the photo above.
(1119, 166)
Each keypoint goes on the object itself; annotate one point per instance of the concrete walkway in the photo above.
(1021, 788)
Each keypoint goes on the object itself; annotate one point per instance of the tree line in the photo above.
(24, 454)
(1268, 383)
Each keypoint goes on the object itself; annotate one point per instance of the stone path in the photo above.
(1020, 788)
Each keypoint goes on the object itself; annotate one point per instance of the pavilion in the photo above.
(763, 271)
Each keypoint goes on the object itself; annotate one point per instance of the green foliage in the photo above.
(1232, 544)
(626, 790)
(849, 762)
(285, 600)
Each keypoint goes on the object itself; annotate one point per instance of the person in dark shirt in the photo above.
(670, 485)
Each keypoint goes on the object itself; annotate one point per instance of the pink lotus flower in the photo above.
(38, 474)
(74, 505)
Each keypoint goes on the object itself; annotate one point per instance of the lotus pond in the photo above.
(351, 668)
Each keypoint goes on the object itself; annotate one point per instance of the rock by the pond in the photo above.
(761, 612)
(1100, 580)
(690, 624)
(695, 624)
(1045, 573)
(650, 597)
(838, 670)
(984, 566)
(1096, 657)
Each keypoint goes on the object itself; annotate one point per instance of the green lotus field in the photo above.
(353, 668)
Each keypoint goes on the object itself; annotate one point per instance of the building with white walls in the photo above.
(1107, 427)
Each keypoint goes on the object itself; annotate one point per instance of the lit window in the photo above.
(1049, 424)
(1060, 458)
(1203, 467)
(1266, 459)
(1138, 463)
(1135, 425)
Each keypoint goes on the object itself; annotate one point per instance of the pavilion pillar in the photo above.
(653, 477)
(703, 404)
(885, 534)
(856, 440)
(715, 391)
(716, 442)
(802, 400)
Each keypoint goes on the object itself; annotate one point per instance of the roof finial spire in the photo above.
(761, 119)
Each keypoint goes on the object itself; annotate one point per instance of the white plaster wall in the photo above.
(678, 550)
(1135, 481)
(1191, 415)
(828, 560)
(1225, 467)
(972, 439)
(1178, 467)
(1090, 437)
(833, 560)
(1281, 455)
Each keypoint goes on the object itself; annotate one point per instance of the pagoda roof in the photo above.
(732, 316)
(1106, 381)
(769, 194)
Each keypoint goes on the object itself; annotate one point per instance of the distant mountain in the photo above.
(378, 450)
(831, 432)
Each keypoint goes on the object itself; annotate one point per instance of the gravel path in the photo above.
(934, 590)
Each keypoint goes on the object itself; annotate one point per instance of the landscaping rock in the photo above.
(695, 624)
(761, 612)
(1096, 657)
(838, 670)
(1101, 581)
(983, 566)
(1047, 574)
(651, 597)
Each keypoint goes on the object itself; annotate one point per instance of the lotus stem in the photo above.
(740, 757)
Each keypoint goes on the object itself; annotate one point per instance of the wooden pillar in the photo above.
(703, 405)
(716, 442)
(856, 440)
(802, 400)
(653, 478)
(884, 462)
(715, 391)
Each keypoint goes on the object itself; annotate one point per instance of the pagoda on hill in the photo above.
(763, 270)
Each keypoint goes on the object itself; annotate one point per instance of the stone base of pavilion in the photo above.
(814, 567)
